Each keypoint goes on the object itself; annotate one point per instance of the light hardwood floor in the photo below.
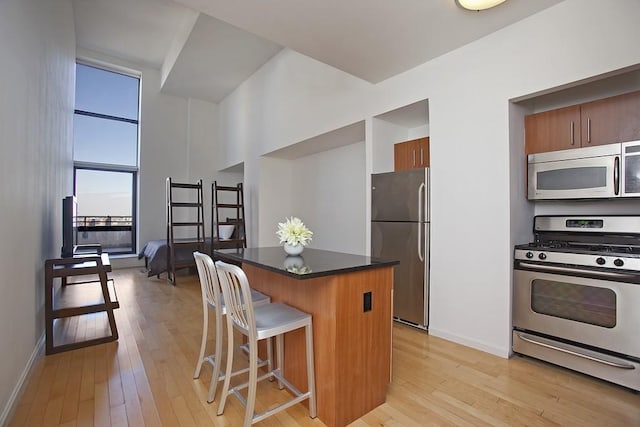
(145, 378)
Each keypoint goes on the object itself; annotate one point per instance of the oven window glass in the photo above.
(572, 178)
(586, 304)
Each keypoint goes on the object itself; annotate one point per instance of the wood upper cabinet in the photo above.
(605, 121)
(403, 156)
(609, 120)
(552, 130)
(411, 154)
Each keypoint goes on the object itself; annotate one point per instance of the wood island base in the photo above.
(351, 332)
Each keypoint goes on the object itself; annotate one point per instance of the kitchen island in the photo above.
(350, 298)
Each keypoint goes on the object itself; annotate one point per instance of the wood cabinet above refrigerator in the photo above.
(411, 154)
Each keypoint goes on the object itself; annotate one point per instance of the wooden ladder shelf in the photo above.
(228, 209)
(185, 225)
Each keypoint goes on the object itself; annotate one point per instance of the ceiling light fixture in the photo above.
(478, 4)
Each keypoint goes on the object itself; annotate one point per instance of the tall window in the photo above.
(105, 157)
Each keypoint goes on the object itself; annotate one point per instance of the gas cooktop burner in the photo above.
(613, 249)
(609, 242)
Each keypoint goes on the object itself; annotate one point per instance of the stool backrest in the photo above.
(237, 297)
(209, 282)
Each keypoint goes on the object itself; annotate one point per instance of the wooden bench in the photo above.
(66, 298)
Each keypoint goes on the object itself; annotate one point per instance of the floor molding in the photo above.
(17, 390)
(466, 341)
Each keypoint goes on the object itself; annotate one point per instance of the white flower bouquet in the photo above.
(294, 232)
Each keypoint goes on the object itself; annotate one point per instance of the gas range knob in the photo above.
(529, 254)
(542, 255)
(600, 261)
(618, 262)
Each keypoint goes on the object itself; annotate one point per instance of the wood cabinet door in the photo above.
(404, 156)
(411, 154)
(609, 120)
(552, 130)
(423, 151)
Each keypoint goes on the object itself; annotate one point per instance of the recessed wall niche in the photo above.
(322, 180)
(598, 87)
(398, 125)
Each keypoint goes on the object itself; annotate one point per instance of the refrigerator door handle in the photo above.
(420, 201)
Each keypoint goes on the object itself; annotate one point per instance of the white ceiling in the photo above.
(215, 59)
(230, 40)
(136, 30)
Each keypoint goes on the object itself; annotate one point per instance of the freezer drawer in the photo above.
(408, 243)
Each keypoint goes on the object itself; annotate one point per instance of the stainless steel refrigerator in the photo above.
(400, 231)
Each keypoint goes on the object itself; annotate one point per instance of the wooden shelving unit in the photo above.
(228, 209)
(185, 225)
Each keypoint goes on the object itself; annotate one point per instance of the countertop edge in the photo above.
(237, 259)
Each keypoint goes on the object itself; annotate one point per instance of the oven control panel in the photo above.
(588, 260)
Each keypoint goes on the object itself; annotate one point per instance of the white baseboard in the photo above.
(8, 410)
(478, 345)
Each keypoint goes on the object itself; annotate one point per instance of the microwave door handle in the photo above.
(616, 176)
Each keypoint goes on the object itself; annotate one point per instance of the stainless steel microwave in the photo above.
(601, 171)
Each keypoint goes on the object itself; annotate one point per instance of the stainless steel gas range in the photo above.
(576, 296)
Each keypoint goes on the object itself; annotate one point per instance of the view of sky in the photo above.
(103, 140)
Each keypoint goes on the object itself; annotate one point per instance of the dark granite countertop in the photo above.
(311, 263)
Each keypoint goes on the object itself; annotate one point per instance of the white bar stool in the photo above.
(212, 299)
(258, 323)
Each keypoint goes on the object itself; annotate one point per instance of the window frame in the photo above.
(134, 194)
(107, 167)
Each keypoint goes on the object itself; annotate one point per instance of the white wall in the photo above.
(326, 190)
(290, 99)
(294, 98)
(385, 135)
(418, 132)
(275, 201)
(37, 47)
(203, 158)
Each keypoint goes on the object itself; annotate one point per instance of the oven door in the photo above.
(584, 173)
(602, 313)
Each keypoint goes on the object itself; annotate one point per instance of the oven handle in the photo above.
(575, 353)
(576, 270)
